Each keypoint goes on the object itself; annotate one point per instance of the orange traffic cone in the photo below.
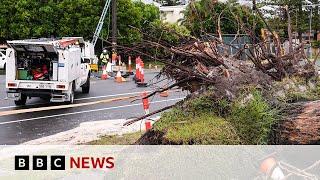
(138, 68)
(104, 75)
(271, 168)
(118, 78)
(141, 83)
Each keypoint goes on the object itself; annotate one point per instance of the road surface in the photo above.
(19, 128)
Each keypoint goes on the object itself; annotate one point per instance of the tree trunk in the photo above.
(301, 125)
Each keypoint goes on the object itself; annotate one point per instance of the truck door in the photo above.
(84, 69)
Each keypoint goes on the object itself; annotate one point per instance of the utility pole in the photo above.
(316, 19)
(114, 24)
(289, 30)
(310, 24)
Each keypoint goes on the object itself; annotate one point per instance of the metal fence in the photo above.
(236, 44)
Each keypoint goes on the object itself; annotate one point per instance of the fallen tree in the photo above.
(204, 64)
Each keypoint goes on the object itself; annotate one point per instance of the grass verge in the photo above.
(203, 128)
(125, 139)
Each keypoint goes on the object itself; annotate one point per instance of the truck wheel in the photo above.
(22, 101)
(71, 97)
(86, 86)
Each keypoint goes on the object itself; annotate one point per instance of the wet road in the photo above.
(19, 128)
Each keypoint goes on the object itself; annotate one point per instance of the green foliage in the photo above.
(316, 44)
(170, 33)
(299, 16)
(166, 33)
(201, 104)
(205, 120)
(207, 104)
(204, 128)
(202, 17)
(77, 17)
(253, 119)
(22, 19)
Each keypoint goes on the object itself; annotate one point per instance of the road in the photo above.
(19, 128)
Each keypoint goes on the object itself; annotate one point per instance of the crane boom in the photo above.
(100, 24)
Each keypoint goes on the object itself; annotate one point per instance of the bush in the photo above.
(253, 120)
(315, 44)
(207, 103)
(205, 120)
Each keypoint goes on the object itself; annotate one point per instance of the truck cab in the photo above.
(48, 68)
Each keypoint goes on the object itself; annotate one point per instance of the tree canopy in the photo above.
(300, 16)
(203, 16)
(22, 19)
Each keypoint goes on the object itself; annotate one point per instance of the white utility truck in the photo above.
(51, 69)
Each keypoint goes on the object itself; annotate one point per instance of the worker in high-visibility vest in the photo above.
(104, 58)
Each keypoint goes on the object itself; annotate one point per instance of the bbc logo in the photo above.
(39, 163)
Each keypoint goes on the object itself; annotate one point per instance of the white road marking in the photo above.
(87, 111)
(79, 99)
(111, 95)
(7, 107)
